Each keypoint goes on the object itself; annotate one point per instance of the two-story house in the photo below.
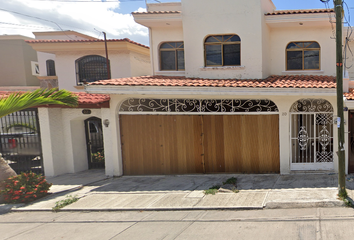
(67, 60)
(236, 87)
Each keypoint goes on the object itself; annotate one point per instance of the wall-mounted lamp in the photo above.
(106, 122)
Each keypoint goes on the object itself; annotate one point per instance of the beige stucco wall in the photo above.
(281, 37)
(159, 36)
(66, 68)
(64, 140)
(140, 64)
(42, 61)
(15, 63)
(199, 13)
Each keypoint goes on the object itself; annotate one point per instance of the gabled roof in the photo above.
(85, 100)
(85, 41)
(275, 81)
(301, 11)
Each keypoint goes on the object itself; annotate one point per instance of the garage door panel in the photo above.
(213, 127)
(161, 144)
(250, 143)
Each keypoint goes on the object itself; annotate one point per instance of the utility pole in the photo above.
(338, 6)
(107, 60)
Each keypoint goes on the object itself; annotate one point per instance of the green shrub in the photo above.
(25, 187)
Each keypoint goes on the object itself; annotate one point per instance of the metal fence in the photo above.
(21, 142)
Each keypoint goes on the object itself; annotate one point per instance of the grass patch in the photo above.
(230, 181)
(62, 203)
(212, 190)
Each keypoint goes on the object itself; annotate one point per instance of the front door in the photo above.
(311, 141)
(94, 142)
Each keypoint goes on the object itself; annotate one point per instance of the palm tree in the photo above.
(20, 101)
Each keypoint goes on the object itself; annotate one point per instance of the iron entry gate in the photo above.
(21, 142)
(311, 141)
(94, 142)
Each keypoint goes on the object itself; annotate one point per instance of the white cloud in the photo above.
(83, 17)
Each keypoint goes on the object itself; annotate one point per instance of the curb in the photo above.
(286, 205)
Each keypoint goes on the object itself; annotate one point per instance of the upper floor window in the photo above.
(91, 68)
(222, 50)
(50, 68)
(303, 56)
(172, 56)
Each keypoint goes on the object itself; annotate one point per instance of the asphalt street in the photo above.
(305, 223)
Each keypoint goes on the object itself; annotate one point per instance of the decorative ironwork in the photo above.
(324, 118)
(198, 105)
(311, 105)
(303, 138)
(324, 157)
(324, 138)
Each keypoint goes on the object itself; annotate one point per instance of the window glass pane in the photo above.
(292, 45)
(179, 45)
(167, 45)
(92, 68)
(214, 39)
(294, 60)
(168, 60)
(314, 45)
(300, 44)
(235, 38)
(180, 60)
(213, 55)
(312, 60)
(232, 54)
(227, 38)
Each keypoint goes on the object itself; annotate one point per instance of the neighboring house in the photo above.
(18, 64)
(236, 87)
(69, 59)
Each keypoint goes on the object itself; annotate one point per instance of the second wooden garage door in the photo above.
(160, 144)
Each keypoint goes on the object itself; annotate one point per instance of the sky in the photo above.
(91, 17)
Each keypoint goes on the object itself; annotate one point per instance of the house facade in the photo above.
(69, 59)
(235, 88)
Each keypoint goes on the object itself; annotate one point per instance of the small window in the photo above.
(303, 56)
(50, 68)
(172, 56)
(91, 68)
(222, 50)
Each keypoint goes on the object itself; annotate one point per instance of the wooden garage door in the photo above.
(241, 143)
(162, 144)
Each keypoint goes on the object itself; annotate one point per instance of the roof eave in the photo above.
(167, 90)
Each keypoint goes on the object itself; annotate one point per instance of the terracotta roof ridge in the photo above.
(156, 12)
(300, 11)
(84, 40)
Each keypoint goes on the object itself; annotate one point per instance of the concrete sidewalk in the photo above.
(186, 192)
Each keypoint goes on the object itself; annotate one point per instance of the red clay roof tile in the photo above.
(275, 81)
(303, 11)
(157, 12)
(349, 95)
(85, 41)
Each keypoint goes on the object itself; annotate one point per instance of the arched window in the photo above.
(172, 56)
(303, 56)
(222, 50)
(91, 68)
(50, 67)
